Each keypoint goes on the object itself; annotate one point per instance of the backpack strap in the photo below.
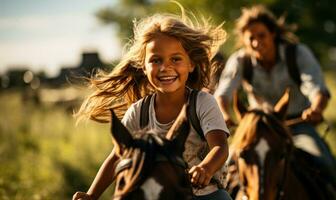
(292, 67)
(144, 111)
(247, 69)
(193, 115)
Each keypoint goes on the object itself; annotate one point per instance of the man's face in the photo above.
(259, 41)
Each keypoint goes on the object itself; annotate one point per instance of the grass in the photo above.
(330, 114)
(43, 155)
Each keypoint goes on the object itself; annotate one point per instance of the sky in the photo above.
(45, 35)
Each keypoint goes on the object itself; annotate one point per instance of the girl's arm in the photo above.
(102, 180)
(202, 173)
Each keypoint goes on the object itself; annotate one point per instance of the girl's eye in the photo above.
(155, 61)
(176, 59)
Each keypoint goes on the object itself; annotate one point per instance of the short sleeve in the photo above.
(131, 119)
(209, 113)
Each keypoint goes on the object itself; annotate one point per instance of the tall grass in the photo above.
(43, 155)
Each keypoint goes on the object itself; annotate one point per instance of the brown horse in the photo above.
(151, 167)
(269, 166)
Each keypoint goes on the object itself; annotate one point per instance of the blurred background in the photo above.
(45, 46)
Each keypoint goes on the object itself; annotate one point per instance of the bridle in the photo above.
(154, 149)
(276, 127)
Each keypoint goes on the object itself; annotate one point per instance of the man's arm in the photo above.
(314, 114)
(224, 105)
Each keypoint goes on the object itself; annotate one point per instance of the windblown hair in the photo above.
(259, 13)
(217, 66)
(127, 82)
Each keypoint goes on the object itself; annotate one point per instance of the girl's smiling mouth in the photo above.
(167, 79)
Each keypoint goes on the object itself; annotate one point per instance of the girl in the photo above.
(169, 57)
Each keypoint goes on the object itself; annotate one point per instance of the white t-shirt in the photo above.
(210, 118)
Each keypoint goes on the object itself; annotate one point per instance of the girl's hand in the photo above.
(81, 196)
(200, 177)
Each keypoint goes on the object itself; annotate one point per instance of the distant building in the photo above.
(15, 78)
(72, 75)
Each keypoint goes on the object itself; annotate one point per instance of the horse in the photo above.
(269, 166)
(151, 166)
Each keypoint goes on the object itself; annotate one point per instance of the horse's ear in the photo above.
(120, 135)
(238, 107)
(281, 106)
(179, 131)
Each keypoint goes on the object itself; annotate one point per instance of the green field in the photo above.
(330, 113)
(44, 155)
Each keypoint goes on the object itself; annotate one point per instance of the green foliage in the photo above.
(330, 114)
(316, 20)
(43, 155)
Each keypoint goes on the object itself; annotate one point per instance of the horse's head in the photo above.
(262, 145)
(151, 167)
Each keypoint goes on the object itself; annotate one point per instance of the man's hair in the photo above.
(261, 14)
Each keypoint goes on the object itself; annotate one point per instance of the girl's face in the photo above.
(259, 41)
(167, 64)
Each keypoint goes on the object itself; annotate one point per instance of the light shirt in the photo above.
(210, 118)
(270, 86)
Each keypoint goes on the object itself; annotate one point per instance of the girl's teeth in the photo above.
(167, 78)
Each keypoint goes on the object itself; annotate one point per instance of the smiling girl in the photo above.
(168, 57)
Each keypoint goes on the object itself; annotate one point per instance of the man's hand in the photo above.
(312, 116)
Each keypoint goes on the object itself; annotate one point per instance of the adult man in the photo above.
(264, 69)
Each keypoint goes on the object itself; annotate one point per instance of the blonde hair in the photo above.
(127, 83)
(259, 13)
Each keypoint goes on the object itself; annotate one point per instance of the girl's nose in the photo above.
(165, 65)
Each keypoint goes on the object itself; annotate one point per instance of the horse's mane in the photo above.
(247, 131)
